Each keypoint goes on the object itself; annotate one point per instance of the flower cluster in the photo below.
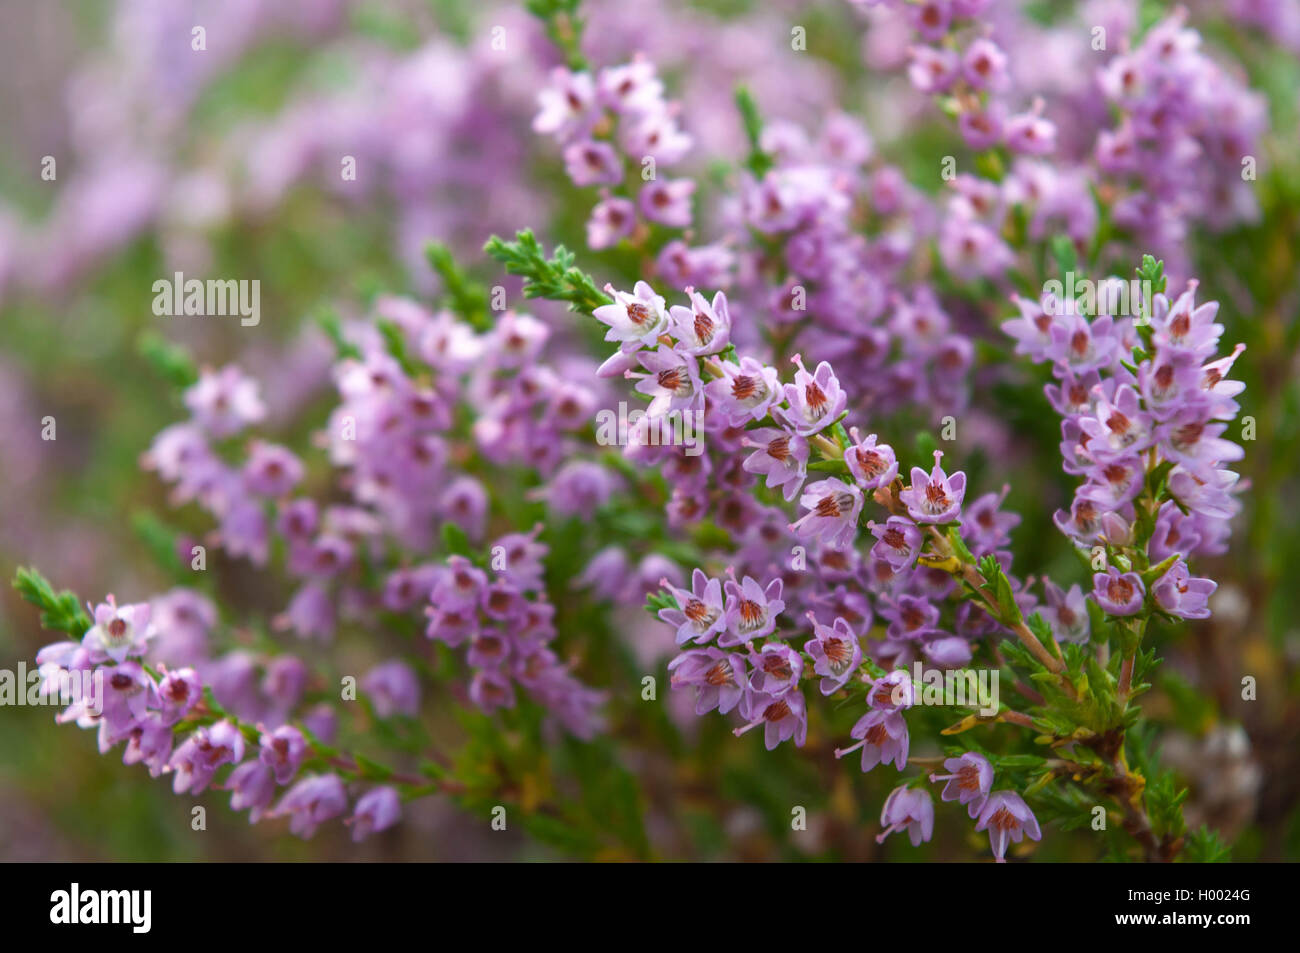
(1145, 404)
(506, 626)
(169, 726)
(611, 121)
(815, 501)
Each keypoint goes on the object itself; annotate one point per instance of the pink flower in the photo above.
(1008, 819)
(935, 498)
(907, 809)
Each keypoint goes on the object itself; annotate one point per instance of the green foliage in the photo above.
(563, 27)
(395, 344)
(657, 601)
(329, 322)
(555, 279)
(1204, 846)
(466, 297)
(455, 541)
(169, 361)
(60, 611)
(757, 161)
(1152, 270)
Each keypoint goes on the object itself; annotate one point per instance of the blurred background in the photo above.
(227, 163)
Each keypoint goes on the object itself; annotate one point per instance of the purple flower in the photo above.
(1066, 613)
(150, 744)
(1181, 594)
(392, 689)
(913, 617)
(815, 399)
(931, 18)
(873, 465)
(376, 810)
(636, 319)
(252, 788)
(701, 614)
(899, 542)
(751, 610)
(178, 692)
(580, 486)
(932, 70)
(984, 65)
(491, 689)
(947, 651)
(1197, 445)
(970, 779)
(908, 809)
(631, 88)
(655, 134)
(593, 163)
(705, 328)
(271, 470)
(310, 613)
(745, 391)
(833, 507)
(783, 717)
(196, 761)
(1115, 482)
(1119, 427)
(935, 498)
(882, 737)
(1029, 133)
(312, 801)
(672, 382)
(611, 221)
(1182, 326)
(283, 751)
(667, 202)
(465, 503)
(225, 402)
(719, 678)
(981, 128)
(1008, 819)
(777, 669)
(1118, 593)
(779, 456)
(892, 692)
(119, 631)
(1033, 329)
(836, 653)
(1078, 345)
(567, 105)
(127, 693)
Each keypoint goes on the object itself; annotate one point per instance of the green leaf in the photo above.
(657, 601)
(959, 545)
(170, 361)
(1204, 846)
(555, 279)
(757, 161)
(329, 322)
(395, 343)
(455, 541)
(1063, 251)
(465, 297)
(60, 611)
(563, 27)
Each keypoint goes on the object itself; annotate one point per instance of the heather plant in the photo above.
(936, 443)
